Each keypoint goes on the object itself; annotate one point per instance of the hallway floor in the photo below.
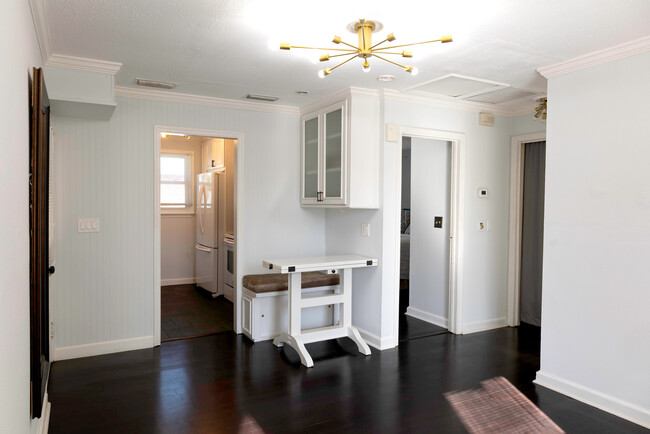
(188, 311)
(409, 327)
(225, 384)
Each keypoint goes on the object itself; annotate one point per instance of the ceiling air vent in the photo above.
(154, 83)
(261, 97)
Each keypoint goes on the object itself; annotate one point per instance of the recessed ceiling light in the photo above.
(386, 77)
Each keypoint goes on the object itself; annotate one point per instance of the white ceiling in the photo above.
(221, 47)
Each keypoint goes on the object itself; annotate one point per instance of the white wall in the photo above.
(429, 255)
(105, 287)
(178, 231)
(19, 52)
(596, 282)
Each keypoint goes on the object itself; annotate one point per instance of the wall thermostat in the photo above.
(482, 193)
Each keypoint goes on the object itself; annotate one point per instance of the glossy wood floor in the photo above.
(225, 383)
(189, 311)
(409, 327)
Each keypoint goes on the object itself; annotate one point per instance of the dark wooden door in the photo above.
(38, 239)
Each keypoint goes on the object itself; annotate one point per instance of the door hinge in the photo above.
(51, 329)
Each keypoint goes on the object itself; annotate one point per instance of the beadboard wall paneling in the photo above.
(104, 290)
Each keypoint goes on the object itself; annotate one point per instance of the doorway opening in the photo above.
(430, 233)
(195, 198)
(528, 162)
(424, 237)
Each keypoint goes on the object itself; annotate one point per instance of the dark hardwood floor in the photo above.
(188, 311)
(409, 327)
(225, 383)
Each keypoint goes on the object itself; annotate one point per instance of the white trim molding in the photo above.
(181, 281)
(597, 399)
(455, 322)
(39, 15)
(481, 326)
(184, 98)
(610, 54)
(41, 425)
(517, 144)
(83, 64)
(427, 316)
(375, 341)
(107, 347)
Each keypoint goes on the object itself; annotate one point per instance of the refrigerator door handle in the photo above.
(201, 205)
(203, 249)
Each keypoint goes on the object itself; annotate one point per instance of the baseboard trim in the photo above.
(375, 341)
(602, 401)
(107, 347)
(42, 424)
(428, 317)
(481, 326)
(181, 281)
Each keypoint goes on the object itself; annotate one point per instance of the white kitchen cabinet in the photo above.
(340, 153)
(213, 155)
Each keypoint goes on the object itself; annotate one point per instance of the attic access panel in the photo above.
(458, 86)
(503, 95)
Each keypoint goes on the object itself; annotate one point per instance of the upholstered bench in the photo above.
(265, 305)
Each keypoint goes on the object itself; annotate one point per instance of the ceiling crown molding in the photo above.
(627, 49)
(39, 15)
(83, 64)
(161, 95)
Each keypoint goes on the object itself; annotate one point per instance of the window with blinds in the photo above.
(176, 183)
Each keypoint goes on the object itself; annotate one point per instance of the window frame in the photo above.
(189, 210)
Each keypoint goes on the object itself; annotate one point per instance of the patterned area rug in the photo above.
(498, 407)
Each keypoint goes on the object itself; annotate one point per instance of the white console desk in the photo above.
(296, 337)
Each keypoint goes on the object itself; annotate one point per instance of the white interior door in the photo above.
(430, 224)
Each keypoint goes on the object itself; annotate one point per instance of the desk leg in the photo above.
(353, 333)
(293, 338)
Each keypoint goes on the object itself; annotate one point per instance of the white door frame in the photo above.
(514, 232)
(239, 217)
(456, 222)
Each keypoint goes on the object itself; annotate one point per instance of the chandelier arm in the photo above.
(342, 63)
(342, 54)
(406, 45)
(326, 49)
(378, 44)
(389, 52)
(390, 61)
(349, 45)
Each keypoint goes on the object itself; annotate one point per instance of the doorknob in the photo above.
(51, 270)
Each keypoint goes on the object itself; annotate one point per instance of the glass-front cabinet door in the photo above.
(334, 155)
(324, 156)
(310, 160)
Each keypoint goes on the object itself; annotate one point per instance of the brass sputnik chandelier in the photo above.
(365, 49)
(540, 110)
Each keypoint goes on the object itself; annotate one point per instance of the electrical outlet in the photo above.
(365, 229)
(88, 225)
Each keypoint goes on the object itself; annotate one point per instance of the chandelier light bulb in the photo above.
(366, 66)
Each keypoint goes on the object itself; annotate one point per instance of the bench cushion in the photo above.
(259, 283)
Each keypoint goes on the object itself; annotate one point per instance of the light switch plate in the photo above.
(392, 133)
(483, 226)
(365, 229)
(88, 225)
